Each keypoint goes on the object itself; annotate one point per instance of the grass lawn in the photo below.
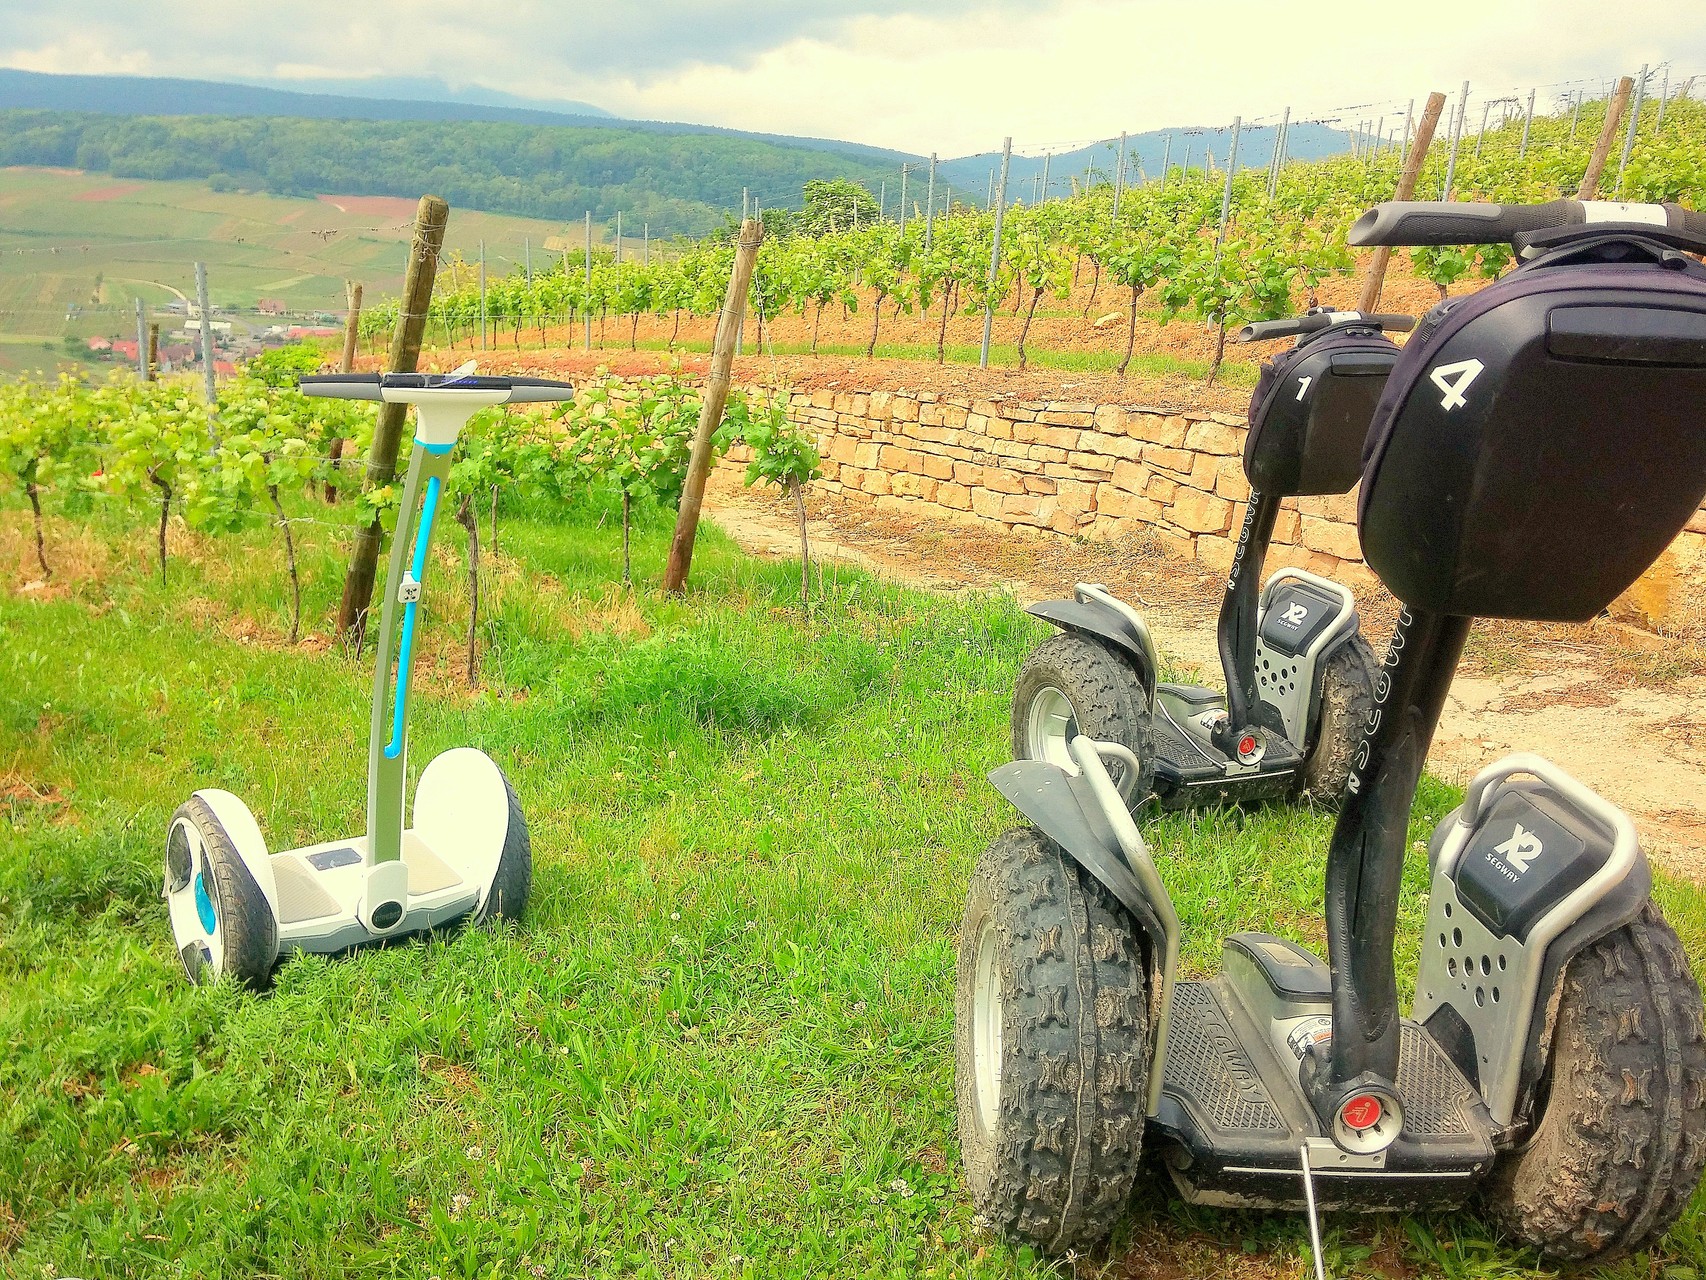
(722, 1042)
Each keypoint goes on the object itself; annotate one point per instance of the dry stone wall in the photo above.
(1108, 471)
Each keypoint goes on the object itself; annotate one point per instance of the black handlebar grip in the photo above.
(1442, 222)
(1290, 327)
(1315, 321)
(539, 391)
(1689, 222)
(341, 386)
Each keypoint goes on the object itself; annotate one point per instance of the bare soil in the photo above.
(1618, 708)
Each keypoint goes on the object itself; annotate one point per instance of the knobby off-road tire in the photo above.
(507, 898)
(1052, 1155)
(247, 933)
(1347, 697)
(1621, 1141)
(1108, 702)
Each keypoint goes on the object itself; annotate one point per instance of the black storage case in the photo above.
(1311, 412)
(1541, 442)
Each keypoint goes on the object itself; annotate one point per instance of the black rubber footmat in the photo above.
(1208, 1068)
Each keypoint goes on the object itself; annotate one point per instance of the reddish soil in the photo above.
(1172, 392)
(382, 206)
(100, 194)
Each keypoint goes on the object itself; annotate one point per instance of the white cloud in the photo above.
(1085, 69)
(951, 76)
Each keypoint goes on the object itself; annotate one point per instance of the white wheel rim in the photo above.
(986, 1028)
(1051, 724)
(188, 927)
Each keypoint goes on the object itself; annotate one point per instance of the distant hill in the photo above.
(481, 152)
(389, 99)
(1144, 153)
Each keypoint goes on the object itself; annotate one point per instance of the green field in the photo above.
(97, 243)
(721, 1043)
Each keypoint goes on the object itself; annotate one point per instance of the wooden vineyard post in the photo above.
(1589, 190)
(430, 217)
(711, 408)
(153, 350)
(352, 325)
(1370, 301)
(346, 364)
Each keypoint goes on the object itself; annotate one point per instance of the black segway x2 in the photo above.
(1298, 674)
(1537, 446)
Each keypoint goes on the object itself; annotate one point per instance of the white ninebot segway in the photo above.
(235, 908)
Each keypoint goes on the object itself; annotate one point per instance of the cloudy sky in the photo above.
(950, 76)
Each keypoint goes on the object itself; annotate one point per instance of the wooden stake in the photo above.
(711, 408)
(1589, 190)
(352, 324)
(431, 215)
(346, 363)
(153, 350)
(1370, 301)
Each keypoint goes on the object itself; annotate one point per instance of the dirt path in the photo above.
(1612, 706)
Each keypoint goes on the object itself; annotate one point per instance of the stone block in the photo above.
(1214, 437)
(1039, 484)
(986, 503)
(1178, 461)
(1199, 512)
(956, 497)
(1119, 504)
(867, 453)
(1030, 509)
(1332, 538)
(937, 467)
(1112, 420)
(968, 474)
(999, 480)
(1131, 475)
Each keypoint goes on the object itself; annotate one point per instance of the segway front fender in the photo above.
(1083, 812)
(1064, 808)
(245, 835)
(1096, 614)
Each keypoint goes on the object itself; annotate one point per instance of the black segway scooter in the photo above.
(1298, 674)
(1538, 445)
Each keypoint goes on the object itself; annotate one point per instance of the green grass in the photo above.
(58, 247)
(722, 1041)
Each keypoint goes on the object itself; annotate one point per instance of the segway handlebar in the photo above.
(373, 386)
(1317, 320)
(1420, 223)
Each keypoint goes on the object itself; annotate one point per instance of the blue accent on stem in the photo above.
(405, 648)
(204, 906)
(437, 450)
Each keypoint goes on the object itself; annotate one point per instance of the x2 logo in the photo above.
(1455, 380)
(1522, 848)
(1295, 615)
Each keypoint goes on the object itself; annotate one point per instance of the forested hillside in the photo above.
(678, 183)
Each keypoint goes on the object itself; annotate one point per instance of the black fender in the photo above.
(1099, 622)
(1062, 806)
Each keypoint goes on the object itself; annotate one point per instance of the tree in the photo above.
(783, 455)
(834, 204)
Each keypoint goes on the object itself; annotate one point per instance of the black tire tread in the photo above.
(1347, 698)
(1106, 693)
(507, 899)
(1619, 1150)
(1059, 1169)
(248, 929)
